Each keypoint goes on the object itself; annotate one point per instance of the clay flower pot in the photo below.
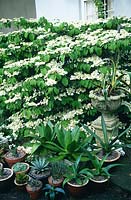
(17, 167)
(11, 159)
(34, 191)
(77, 190)
(55, 182)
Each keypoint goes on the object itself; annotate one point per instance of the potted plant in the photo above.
(57, 173)
(40, 169)
(108, 96)
(20, 167)
(77, 178)
(21, 180)
(53, 193)
(101, 173)
(34, 188)
(107, 145)
(14, 155)
(6, 175)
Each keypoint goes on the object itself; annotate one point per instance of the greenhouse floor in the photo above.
(119, 187)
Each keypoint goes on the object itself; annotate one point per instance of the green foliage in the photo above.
(69, 144)
(48, 70)
(99, 169)
(107, 143)
(21, 178)
(58, 169)
(51, 192)
(75, 173)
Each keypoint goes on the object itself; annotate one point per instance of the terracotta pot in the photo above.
(34, 192)
(77, 190)
(56, 183)
(111, 158)
(6, 182)
(11, 160)
(25, 171)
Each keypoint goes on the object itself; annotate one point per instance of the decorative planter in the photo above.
(24, 171)
(34, 192)
(6, 180)
(108, 108)
(55, 182)
(12, 160)
(77, 190)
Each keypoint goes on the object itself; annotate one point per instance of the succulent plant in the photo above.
(40, 165)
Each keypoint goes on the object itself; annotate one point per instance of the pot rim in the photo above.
(8, 176)
(76, 185)
(28, 166)
(102, 181)
(112, 160)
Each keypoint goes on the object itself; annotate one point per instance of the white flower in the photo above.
(50, 82)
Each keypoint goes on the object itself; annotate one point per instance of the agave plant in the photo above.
(44, 134)
(39, 165)
(70, 143)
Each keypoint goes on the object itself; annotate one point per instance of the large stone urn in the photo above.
(108, 108)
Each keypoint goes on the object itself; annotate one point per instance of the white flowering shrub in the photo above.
(47, 70)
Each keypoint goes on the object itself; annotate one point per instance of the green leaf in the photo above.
(35, 147)
(56, 90)
(65, 81)
(98, 51)
(31, 36)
